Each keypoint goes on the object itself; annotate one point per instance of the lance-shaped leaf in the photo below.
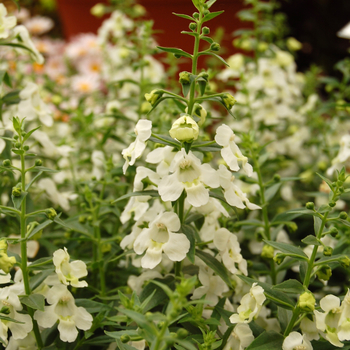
(292, 251)
(17, 201)
(34, 301)
(290, 286)
(175, 51)
(267, 341)
(183, 16)
(211, 15)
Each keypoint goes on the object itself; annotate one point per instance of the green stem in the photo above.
(292, 321)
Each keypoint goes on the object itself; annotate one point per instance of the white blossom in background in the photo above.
(69, 273)
(143, 131)
(344, 32)
(6, 22)
(161, 237)
(85, 84)
(62, 308)
(9, 301)
(241, 337)
(343, 155)
(190, 175)
(296, 341)
(32, 106)
(251, 305)
(344, 322)
(230, 151)
(27, 343)
(38, 25)
(98, 162)
(163, 156)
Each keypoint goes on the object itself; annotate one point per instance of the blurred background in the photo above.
(313, 22)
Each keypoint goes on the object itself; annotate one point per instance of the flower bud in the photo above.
(50, 213)
(18, 145)
(184, 129)
(145, 107)
(332, 204)
(193, 26)
(333, 231)
(38, 162)
(267, 252)
(278, 258)
(228, 100)
(184, 78)
(344, 261)
(26, 148)
(16, 191)
(6, 163)
(98, 10)
(6, 262)
(310, 205)
(324, 273)
(293, 44)
(327, 251)
(153, 96)
(277, 178)
(199, 112)
(182, 333)
(125, 338)
(215, 46)
(262, 46)
(343, 215)
(307, 302)
(205, 30)
(195, 15)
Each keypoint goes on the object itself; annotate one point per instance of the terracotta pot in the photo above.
(76, 17)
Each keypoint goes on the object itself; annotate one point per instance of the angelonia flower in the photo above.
(251, 305)
(6, 22)
(184, 129)
(296, 341)
(62, 309)
(241, 337)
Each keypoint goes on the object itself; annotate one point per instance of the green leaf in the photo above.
(165, 140)
(17, 201)
(39, 278)
(4, 77)
(25, 138)
(284, 317)
(272, 190)
(211, 15)
(327, 181)
(190, 233)
(17, 4)
(34, 301)
(267, 341)
(122, 346)
(317, 224)
(183, 16)
(278, 297)
(152, 193)
(215, 55)
(9, 319)
(11, 98)
(210, 3)
(92, 306)
(311, 240)
(40, 227)
(175, 51)
(216, 266)
(187, 345)
(207, 39)
(33, 180)
(44, 169)
(290, 286)
(18, 151)
(289, 249)
(17, 45)
(292, 214)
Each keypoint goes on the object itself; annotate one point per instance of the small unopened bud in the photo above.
(182, 333)
(333, 231)
(310, 205)
(6, 163)
(125, 338)
(324, 273)
(344, 261)
(153, 96)
(293, 44)
(199, 112)
(26, 147)
(343, 215)
(82, 218)
(332, 204)
(307, 302)
(38, 162)
(98, 10)
(193, 26)
(18, 145)
(184, 78)
(215, 47)
(228, 100)
(276, 177)
(327, 251)
(184, 129)
(50, 213)
(278, 258)
(267, 252)
(195, 15)
(16, 191)
(205, 30)
(292, 226)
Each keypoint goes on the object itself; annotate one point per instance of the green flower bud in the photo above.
(277, 178)
(26, 147)
(182, 333)
(5, 310)
(307, 302)
(278, 258)
(82, 218)
(184, 129)
(16, 191)
(292, 226)
(205, 30)
(228, 100)
(6, 163)
(344, 261)
(324, 273)
(343, 215)
(184, 78)
(50, 213)
(332, 204)
(38, 162)
(6, 262)
(215, 46)
(327, 251)
(262, 46)
(199, 112)
(193, 26)
(98, 10)
(333, 231)
(18, 145)
(195, 15)
(186, 286)
(145, 107)
(310, 205)
(293, 44)
(125, 338)
(16, 137)
(267, 252)
(106, 247)
(153, 96)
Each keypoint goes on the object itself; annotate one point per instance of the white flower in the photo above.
(98, 160)
(9, 301)
(309, 329)
(32, 106)
(69, 272)
(62, 308)
(190, 175)
(344, 322)
(251, 305)
(232, 193)
(161, 237)
(85, 84)
(22, 32)
(241, 337)
(327, 322)
(163, 156)
(296, 341)
(230, 151)
(143, 131)
(6, 23)
(344, 32)
(38, 25)
(27, 343)
(229, 249)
